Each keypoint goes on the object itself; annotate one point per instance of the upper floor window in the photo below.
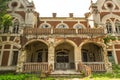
(78, 26)
(62, 26)
(45, 26)
(6, 29)
(117, 26)
(109, 27)
(15, 26)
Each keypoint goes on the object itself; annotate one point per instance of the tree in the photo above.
(4, 17)
(3, 6)
(6, 22)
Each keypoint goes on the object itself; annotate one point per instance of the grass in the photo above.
(115, 75)
(11, 76)
(107, 76)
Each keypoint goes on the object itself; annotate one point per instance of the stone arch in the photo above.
(65, 54)
(99, 44)
(110, 29)
(92, 51)
(66, 40)
(110, 16)
(36, 51)
(19, 17)
(34, 41)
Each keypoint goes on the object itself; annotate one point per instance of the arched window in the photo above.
(109, 27)
(78, 26)
(62, 26)
(117, 26)
(16, 26)
(45, 25)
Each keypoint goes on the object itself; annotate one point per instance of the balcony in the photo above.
(48, 31)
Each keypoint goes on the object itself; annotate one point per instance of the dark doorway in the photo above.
(62, 59)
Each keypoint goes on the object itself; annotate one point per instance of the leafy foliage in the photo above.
(6, 20)
(3, 13)
(13, 76)
(108, 38)
(108, 76)
(3, 6)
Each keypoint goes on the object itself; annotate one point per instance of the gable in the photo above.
(107, 5)
(19, 5)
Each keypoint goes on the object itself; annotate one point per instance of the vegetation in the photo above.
(108, 38)
(115, 75)
(11, 76)
(5, 19)
(108, 76)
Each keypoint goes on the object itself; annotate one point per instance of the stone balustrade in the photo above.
(47, 31)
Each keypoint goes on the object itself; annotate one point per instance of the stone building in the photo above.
(33, 42)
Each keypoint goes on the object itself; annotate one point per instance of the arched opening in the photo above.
(109, 26)
(91, 52)
(117, 26)
(37, 52)
(16, 26)
(64, 56)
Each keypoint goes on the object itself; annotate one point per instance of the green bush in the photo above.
(13, 76)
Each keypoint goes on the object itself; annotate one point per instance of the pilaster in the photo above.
(77, 57)
(114, 55)
(51, 55)
(108, 65)
(21, 60)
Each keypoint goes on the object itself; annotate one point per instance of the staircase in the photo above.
(65, 73)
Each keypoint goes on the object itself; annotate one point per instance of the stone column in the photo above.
(77, 57)
(21, 60)
(108, 65)
(51, 55)
(114, 54)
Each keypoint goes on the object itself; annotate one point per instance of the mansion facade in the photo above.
(34, 43)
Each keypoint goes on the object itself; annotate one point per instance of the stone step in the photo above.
(66, 73)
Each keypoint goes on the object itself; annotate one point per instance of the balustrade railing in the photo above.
(64, 31)
(64, 66)
(36, 67)
(47, 31)
(96, 66)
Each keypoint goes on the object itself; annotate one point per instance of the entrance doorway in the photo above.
(64, 57)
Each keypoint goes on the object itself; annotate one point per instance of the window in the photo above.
(45, 26)
(117, 26)
(110, 56)
(16, 26)
(15, 58)
(6, 29)
(78, 26)
(62, 26)
(109, 27)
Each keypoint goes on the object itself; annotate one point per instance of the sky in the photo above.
(62, 7)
